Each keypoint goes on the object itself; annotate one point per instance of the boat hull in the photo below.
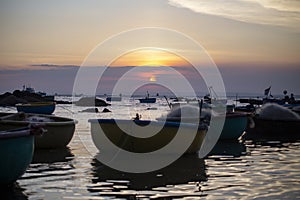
(16, 154)
(59, 133)
(267, 129)
(113, 98)
(234, 126)
(38, 108)
(127, 142)
(147, 100)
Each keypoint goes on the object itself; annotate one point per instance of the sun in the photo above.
(152, 78)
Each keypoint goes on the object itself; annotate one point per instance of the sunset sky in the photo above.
(254, 43)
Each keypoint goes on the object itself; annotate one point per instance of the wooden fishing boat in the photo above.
(234, 126)
(167, 131)
(271, 129)
(37, 107)
(16, 151)
(274, 122)
(60, 130)
(148, 100)
(114, 98)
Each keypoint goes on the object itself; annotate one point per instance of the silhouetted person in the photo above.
(286, 97)
(292, 98)
(137, 116)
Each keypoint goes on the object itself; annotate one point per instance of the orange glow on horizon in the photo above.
(150, 57)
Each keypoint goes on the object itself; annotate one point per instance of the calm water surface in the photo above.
(234, 170)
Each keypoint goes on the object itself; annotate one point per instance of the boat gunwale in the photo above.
(228, 115)
(146, 122)
(36, 104)
(9, 134)
(66, 121)
(237, 114)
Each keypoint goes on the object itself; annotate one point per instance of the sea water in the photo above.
(235, 170)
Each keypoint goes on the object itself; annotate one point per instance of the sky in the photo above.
(254, 43)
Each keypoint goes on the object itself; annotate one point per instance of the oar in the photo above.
(201, 104)
(168, 102)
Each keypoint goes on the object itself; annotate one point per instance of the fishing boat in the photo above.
(268, 129)
(166, 132)
(37, 107)
(234, 126)
(60, 130)
(42, 94)
(16, 151)
(114, 98)
(293, 107)
(148, 99)
(274, 122)
(249, 108)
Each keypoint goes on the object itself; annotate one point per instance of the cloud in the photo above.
(271, 12)
(52, 66)
(31, 67)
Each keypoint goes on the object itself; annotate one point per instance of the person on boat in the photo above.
(292, 99)
(137, 116)
(207, 98)
(286, 97)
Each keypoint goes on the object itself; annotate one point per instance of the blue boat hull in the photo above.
(16, 154)
(113, 98)
(148, 100)
(234, 127)
(37, 109)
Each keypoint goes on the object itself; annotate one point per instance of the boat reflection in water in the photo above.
(13, 192)
(228, 148)
(47, 165)
(52, 155)
(111, 182)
